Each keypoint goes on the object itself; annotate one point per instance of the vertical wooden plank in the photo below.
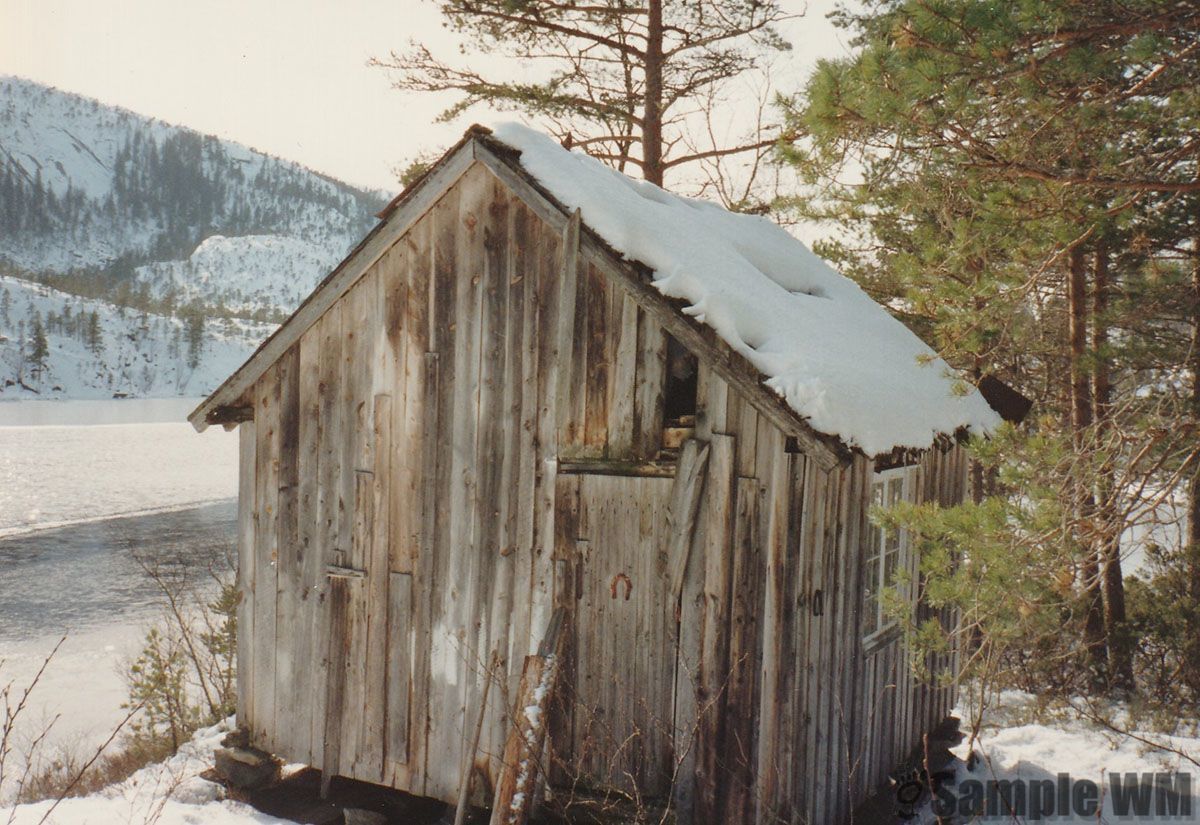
(566, 345)
(338, 636)
(624, 376)
(247, 559)
(455, 672)
(290, 724)
(399, 665)
(712, 403)
(528, 432)
(437, 539)
(649, 386)
(717, 518)
(305, 678)
(373, 719)
(266, 554)
(599, 331)
(549, 268)
(360, 329)
(741, 698)
(330, 437)
(426, 576)
(493, 569)
(413, 463)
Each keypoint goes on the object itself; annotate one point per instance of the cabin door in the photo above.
(624, 633)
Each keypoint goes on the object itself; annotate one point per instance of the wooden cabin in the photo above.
(516, 524)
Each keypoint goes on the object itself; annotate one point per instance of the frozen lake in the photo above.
(84, 486)
(66, 462)
(86, 575)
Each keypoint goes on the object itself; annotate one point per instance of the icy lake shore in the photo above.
(83, 484)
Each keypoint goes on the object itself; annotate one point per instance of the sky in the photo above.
(288, 77)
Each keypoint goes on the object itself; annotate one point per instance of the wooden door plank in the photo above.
(399, 665)
(247, 560)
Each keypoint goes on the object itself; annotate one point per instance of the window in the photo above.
(679, 394)
(887, 551)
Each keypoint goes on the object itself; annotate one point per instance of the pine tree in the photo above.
(94, 336)
(1024, 167)
(39, 347)
(194, 329)
(620, 79)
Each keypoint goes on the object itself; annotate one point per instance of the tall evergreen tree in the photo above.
(39, 347)
(194, 328)
(619, 79)
(1011, 172)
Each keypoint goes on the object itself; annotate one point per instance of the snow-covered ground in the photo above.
(1013, 746)
(81, 690)
(170, 793)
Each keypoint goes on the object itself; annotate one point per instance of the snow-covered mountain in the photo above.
(127, 211)
(249, 276)
(57, 345)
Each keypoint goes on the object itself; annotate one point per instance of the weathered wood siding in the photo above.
(406, 440)
(787, 716)
(403, 518)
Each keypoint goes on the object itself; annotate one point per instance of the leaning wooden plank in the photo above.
(523, 749)
(416, 203)
(466, 770)
(685, 502)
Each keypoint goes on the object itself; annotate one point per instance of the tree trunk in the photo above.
(1193, 529)
(1081, 421)
(1109, 538)
(652, 161)
(1191, 654)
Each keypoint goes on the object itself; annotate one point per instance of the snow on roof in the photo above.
(837, 357)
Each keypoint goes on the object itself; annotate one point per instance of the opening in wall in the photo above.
(679, 394)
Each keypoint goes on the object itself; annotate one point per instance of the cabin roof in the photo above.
(805, 344)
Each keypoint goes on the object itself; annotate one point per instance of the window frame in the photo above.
(882, 630)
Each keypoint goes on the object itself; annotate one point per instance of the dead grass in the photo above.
(66, 774)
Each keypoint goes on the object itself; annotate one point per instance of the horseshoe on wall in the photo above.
(617, 579)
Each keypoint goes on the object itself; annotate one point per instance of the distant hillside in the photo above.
(55, 345)
(127, 211)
